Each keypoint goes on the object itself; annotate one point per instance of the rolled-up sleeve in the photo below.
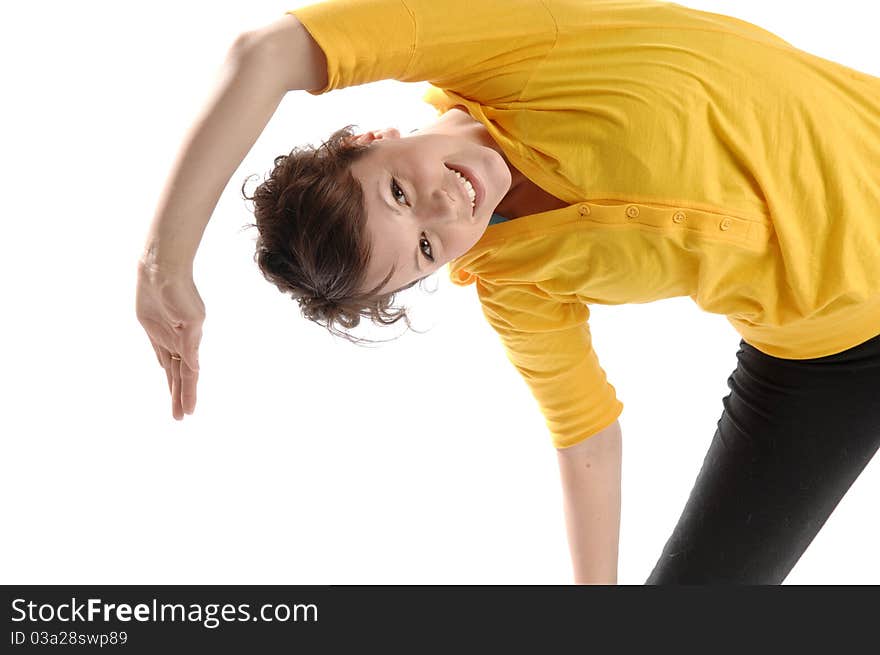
(549, 343)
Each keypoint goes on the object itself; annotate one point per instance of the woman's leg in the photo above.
(793, 436)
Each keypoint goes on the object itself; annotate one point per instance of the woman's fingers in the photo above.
(189, 380)
(188, 367)
(182, 377)
(172, 367)
(176, 407)
(180, 382)
(191, 337)
(171, 311)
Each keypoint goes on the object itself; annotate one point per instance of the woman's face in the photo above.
(419, 215)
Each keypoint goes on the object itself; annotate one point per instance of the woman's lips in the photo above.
(475, 182)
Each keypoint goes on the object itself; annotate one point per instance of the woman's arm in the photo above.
(234, 116)
(590, 472)
(292, 53)
(168, 305)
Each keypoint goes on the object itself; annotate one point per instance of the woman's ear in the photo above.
(359, 139)
(387, 133)
(374, 135)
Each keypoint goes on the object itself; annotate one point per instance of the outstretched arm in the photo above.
(590, 473)
(250, 88)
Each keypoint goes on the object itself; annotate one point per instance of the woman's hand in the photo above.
(171, 311)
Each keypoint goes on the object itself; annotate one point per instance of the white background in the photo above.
(308, 460)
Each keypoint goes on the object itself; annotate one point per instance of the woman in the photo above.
(585, 152)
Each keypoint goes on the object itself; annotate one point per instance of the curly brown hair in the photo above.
(312, 239)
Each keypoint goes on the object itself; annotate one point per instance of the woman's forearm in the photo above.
(590, 474)
(237, 111)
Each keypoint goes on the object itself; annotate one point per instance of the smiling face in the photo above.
(418, 213)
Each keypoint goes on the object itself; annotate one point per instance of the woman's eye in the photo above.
(394, 186)
(429, 254)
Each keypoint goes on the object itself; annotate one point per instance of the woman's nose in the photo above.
(445, 206)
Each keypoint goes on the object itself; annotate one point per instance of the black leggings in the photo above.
(793, 436)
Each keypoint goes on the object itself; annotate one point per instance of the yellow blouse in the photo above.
(702, 156)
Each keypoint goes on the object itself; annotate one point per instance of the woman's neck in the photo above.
(523, 197)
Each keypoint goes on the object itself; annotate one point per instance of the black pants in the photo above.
(793, 436)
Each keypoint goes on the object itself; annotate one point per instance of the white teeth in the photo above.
(468, 187)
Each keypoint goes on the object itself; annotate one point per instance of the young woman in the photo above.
(585, 152)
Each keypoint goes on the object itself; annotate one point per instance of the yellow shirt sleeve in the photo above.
(550, 345)
(480, 48)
